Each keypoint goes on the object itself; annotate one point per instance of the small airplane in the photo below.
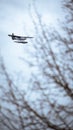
(21, 39)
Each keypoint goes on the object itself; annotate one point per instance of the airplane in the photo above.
(20, 38)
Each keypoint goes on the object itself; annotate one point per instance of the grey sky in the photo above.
(14, 17)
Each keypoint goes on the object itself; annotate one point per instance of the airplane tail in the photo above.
(9, 35)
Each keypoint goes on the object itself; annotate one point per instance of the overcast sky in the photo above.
(14, 17)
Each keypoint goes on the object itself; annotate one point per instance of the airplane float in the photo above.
(19, 39)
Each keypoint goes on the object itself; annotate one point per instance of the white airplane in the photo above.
(21, 39)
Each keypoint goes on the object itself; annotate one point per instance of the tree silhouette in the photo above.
(51, 82)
